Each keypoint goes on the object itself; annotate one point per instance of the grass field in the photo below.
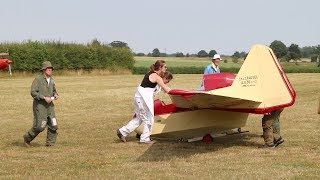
(91, 108)
(178, 61)
(142, 61)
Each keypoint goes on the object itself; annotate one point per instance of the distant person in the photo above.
(44, 92)
(144, 102)
(212, 68)
(271, 129)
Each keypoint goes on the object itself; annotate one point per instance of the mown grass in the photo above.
(92, 107)
(143, 61)
(182, 62)
(301, 66)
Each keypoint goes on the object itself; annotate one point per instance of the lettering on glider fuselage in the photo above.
(248, 81)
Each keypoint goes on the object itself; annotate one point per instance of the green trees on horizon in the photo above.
(29, 55)
(294, 52)
(280, 49)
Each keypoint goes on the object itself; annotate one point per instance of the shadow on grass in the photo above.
(18, 143)
(128, 139)
(167, 150)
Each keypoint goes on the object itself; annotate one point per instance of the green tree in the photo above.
(202, 53)
(212, 53)
(243, 54)
(279, 48)
(308, 51)
(179, 54)
(294, 52)
(140, 54)
(95, 43)
(314, 57)
(163, 54)
(317, 50)
(236, 55)
(119, 44)
(155, 52)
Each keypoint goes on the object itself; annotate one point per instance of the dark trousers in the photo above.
(39, 125)
(271, 126)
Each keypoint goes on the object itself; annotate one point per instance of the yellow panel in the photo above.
(196, 123)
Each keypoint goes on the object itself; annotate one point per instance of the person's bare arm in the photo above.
(156, 78)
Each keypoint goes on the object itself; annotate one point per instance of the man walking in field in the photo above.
(44, 92)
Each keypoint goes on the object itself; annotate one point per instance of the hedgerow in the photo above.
(29, 55)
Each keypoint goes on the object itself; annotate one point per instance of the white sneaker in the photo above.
(120, 136)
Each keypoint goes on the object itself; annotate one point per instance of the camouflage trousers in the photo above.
(271, 126)
(38, 127)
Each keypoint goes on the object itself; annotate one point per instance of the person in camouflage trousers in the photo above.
(44, 92)
(271, 129)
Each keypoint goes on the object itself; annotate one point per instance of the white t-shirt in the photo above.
(48, 80)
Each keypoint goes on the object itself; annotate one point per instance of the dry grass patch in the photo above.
(92, 107)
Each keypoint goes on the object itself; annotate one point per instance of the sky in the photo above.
(186, 26)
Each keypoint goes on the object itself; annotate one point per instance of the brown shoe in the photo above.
(26, 143)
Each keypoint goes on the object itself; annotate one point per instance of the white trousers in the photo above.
(134, 124)
(142, 116)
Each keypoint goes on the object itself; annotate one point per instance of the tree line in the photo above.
(29, 55)
(280, 49)
(294, 51)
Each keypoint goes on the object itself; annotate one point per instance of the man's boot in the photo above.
(26, 142)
